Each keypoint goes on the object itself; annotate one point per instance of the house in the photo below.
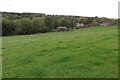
(61, 28)
(104, 24)
(79, 25)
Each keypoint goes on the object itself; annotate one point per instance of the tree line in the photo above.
(31, 23)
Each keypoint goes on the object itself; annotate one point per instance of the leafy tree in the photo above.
(72, 22)
(56, 23)
(17, 26)
(49, 22)
(29, 23)
(95, 23)
(39, 25)
(7, 27)
(0, 25)
(26, 26)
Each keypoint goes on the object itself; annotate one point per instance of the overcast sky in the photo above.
(101, 8)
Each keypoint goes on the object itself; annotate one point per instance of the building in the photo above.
(61, 28)
(104, 24)
(79, 25)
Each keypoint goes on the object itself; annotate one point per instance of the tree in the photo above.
(72, 22)
(62, 22)
(26, 26)
(39, 25)
(49, 22)
(7, 27)
(95, 23)
(17, 26)
(56, 23)
(30, 23)
(0, 25)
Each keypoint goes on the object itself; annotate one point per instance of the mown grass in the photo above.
(83, 53)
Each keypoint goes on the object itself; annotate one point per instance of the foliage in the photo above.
(7, 27)
(31, 23)
(38, 25)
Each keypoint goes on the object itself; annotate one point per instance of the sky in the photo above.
(90, 8)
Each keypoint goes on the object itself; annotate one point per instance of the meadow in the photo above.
(82, 53)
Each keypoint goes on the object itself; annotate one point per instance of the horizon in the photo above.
(58, 14)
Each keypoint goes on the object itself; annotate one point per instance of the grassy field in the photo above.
(83, 53)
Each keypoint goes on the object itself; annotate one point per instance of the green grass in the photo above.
(83, 53)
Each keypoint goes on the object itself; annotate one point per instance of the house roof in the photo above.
(105, 23)
(61, 27)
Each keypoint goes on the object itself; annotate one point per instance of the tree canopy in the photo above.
(31, 23)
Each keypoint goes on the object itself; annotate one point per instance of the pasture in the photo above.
(82, 53)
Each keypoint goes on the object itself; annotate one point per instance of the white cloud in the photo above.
(107, 8)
